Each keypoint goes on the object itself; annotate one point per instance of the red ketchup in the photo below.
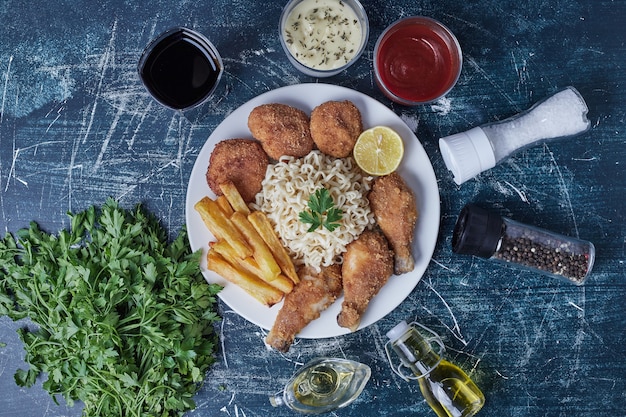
(417, 60)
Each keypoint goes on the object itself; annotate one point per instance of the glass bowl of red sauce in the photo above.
(417, 60)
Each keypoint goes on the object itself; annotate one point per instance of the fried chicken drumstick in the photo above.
(313, 294)
(394, 207)
(367, 265)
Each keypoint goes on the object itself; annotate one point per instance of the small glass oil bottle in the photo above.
(323, 385)
(447, 389)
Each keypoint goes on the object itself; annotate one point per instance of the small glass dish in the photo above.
(181, 69)
(305, 29)
(417, 60)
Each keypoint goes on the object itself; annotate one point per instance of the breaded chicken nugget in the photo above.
(335, 127)
(281, 129)
(242, 161)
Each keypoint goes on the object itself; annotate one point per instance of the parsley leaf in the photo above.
(125, 318)
(322, 212)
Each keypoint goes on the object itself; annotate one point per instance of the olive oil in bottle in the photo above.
(447, 389)
(323, 385)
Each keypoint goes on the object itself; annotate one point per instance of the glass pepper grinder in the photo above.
(323, 385)
(486, 234)
(469, 153)
(447, 389)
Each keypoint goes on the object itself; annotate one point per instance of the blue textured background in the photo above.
(76, 126)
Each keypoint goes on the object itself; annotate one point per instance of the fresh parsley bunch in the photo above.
(125, 318)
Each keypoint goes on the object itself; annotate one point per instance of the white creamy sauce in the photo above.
(323, 34)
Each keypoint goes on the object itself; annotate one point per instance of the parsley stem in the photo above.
(143, 398)
(42, 301)
(113, 392)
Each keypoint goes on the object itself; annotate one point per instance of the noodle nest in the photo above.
(287, 187)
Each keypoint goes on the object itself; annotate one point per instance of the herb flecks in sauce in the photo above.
(323, 34)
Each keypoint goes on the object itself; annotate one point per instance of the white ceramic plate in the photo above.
(415, 168)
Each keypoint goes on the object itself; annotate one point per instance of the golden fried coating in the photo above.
(281, 129)
(395, 210)
(313, 294)
(242, 161)
(335, 127)
(367, 266)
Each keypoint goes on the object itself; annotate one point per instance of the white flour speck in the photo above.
(442, 106)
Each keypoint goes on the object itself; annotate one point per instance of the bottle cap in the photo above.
(476, 232)
(467, 154)
(397, 331)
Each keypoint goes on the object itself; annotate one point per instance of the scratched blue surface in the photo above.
(76, 127)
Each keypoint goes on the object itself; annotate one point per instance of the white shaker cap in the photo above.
(467, 154)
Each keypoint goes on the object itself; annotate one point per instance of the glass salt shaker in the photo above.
(447, 389)
(323, 385)
(488, 235)
(469, 153)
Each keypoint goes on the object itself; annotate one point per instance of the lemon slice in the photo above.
(378, 150)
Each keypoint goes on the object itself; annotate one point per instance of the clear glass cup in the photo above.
(181, 70)
(417, 60)
(336, 60)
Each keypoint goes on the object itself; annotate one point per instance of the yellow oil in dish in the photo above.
(323, 385)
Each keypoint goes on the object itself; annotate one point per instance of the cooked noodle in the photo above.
(286, 190)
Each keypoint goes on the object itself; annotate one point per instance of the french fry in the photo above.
(261, 252)
(261, 223)
(249, 265)
(221, 227)
(260, 290)
(282, 283)
(227, 252)
(247, 252)
(234, 197)
(222, 201)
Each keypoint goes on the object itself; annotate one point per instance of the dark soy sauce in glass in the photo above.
(180, 68)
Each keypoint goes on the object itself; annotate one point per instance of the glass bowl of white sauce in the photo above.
(323, 37)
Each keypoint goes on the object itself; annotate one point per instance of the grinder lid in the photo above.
(477, 232)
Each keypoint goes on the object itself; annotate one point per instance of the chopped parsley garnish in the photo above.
(322, 212)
